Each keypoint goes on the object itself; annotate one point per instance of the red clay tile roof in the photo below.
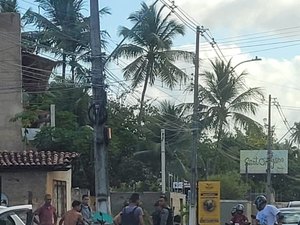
(36, 159)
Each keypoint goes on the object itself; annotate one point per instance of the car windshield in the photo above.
(16, 217)
(291, 217)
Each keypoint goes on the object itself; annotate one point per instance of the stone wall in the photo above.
(17, 185)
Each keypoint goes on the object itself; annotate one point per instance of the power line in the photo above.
(283, 117)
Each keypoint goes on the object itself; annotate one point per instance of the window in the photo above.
(60, 197)
(291, 217)
(16, 217)
(6, 219)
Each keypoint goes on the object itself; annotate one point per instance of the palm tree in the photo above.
(63, 31)
(177, 138)
(296, 133)
(228, 99)
(8, 6)
(150, 45)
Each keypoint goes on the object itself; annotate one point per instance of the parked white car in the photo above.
(293, 204)
(16, 215)
(291, 216)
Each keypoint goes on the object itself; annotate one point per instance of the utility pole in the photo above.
(98, 109)
(193, 202)
(52, 115)
(269, 155)
(163, 160)
(247, 173)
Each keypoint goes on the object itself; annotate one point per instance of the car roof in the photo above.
(294, 203)
(4, 209)
(289, 209)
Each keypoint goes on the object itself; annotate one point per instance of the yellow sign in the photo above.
(209, 202)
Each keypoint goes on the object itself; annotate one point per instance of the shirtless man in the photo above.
(73, 216)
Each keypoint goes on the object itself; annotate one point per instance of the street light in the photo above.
(249, 60)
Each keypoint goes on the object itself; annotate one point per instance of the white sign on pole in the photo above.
(255, 161)
(177, 185)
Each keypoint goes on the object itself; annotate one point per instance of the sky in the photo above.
(242, 29)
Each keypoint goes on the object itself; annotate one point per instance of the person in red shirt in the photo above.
(239, 218)
(46, 213)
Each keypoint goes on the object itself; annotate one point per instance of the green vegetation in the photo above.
(134, 150)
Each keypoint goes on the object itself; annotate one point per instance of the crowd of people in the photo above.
(132, 213)
(80, 214)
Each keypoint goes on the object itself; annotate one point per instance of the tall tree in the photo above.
(296, 134)
(150, 45)
(8, 6)
(228, 99)
(177, 138)
(63, 31)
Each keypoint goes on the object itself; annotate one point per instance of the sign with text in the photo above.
(255, 161)
(209, 202)
(177, 185)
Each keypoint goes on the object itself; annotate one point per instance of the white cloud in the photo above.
(280, 78)
(237, 15)
(277, 76)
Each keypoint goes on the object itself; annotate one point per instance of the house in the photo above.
(26, 176)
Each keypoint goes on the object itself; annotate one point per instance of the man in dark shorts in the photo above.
(46, 213)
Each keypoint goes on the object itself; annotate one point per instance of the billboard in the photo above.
(209, 202)
(255, 161)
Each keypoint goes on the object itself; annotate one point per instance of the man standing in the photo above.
(46, 213)
(86, 210)
(268, 214)
(166, 216)
(156, 214)
(131, 214)
(73, 216)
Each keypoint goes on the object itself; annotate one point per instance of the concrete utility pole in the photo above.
(52, 115)
(163, 160)
(193, 203)
(98, 109)
(269, 156)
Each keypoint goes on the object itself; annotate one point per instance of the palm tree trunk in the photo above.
(73, 69)
(73, 74)
(219, 136)
(148, 74)
(64, 65)
(143, 99)
(219, 143)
